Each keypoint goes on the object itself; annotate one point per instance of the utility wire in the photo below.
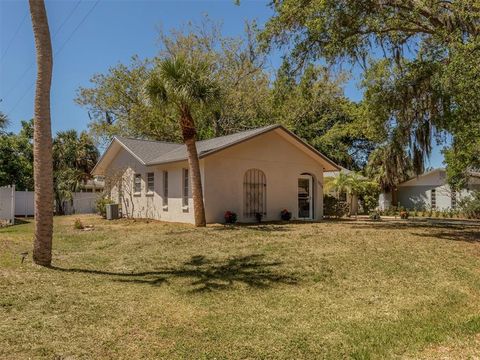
(58, 51)
(14, 36)
(76, 28)
(18, 82)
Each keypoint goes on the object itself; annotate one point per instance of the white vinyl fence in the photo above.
(7, 203)
(24, 203)
(21, 203)
(82, 203)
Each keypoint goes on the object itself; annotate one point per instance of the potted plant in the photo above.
(375, 216)
(285, 215)
(230, 217)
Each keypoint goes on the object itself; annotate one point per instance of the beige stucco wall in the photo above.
(280, 160)
(145, 205)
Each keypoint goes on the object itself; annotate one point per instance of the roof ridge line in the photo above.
(156, 141)
(240, 132)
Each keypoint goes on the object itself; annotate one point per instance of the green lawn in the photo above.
(322, 290)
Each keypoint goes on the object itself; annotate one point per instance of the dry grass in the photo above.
(320, 290)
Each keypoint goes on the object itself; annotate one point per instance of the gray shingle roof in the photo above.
(147, 150)
(159, 152)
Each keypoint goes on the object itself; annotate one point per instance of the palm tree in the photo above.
(186, 84)
(353, 184)
(42, 139)
(74, 157)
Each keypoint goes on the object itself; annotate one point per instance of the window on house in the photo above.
(165, 190)
(254, 193)
(433, 199)
(185, 188)
(454, 199)
(150, 182)
(137, 183)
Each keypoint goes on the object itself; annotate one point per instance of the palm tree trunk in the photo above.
(189, 134)
(42, 138)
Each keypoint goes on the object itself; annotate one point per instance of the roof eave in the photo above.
(93, 172)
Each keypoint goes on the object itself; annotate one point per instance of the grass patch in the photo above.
(137, 289)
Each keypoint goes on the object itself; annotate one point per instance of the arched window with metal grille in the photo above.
(254, 193)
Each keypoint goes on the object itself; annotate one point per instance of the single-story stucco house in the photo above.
(428, 191)
(263, 171)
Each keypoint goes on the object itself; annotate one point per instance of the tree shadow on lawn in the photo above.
(207, 275)
(264, 227)
(469, 236)
(444, 231)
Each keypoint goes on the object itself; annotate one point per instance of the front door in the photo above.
(305, 197)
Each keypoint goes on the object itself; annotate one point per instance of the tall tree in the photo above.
(314, 106)
(186, 84)
(116, 106)
(42, 140)
(422, 61)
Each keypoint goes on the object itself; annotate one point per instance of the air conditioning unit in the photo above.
(112, 211)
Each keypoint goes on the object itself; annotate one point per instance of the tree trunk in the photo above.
(189, 134)
(42, 138)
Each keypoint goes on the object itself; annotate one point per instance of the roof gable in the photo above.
(150, 152)
(435, 177)
(147, 150)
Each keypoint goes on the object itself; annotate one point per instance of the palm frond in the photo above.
(185, 83)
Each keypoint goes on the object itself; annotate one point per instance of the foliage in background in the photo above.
(356, 186)
(388, 166)
(333, 207)
(116, 105)
(16, 158)
(470, 206)
(421, 62)
(312, 105)
(74, 157)
(369, 196)
(116, 100)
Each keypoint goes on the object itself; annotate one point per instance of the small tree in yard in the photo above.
(185, 84)
(470, 206)
(353, 184)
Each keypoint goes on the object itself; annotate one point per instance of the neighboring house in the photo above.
(93, 185)
(261, 171)
(428, 191)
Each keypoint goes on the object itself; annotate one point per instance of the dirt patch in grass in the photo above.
(138, 289)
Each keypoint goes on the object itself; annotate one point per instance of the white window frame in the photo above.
(136, 191)
(185, 188)
(150, 188)
(165, 190)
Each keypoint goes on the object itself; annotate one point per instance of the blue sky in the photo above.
(88, 37)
